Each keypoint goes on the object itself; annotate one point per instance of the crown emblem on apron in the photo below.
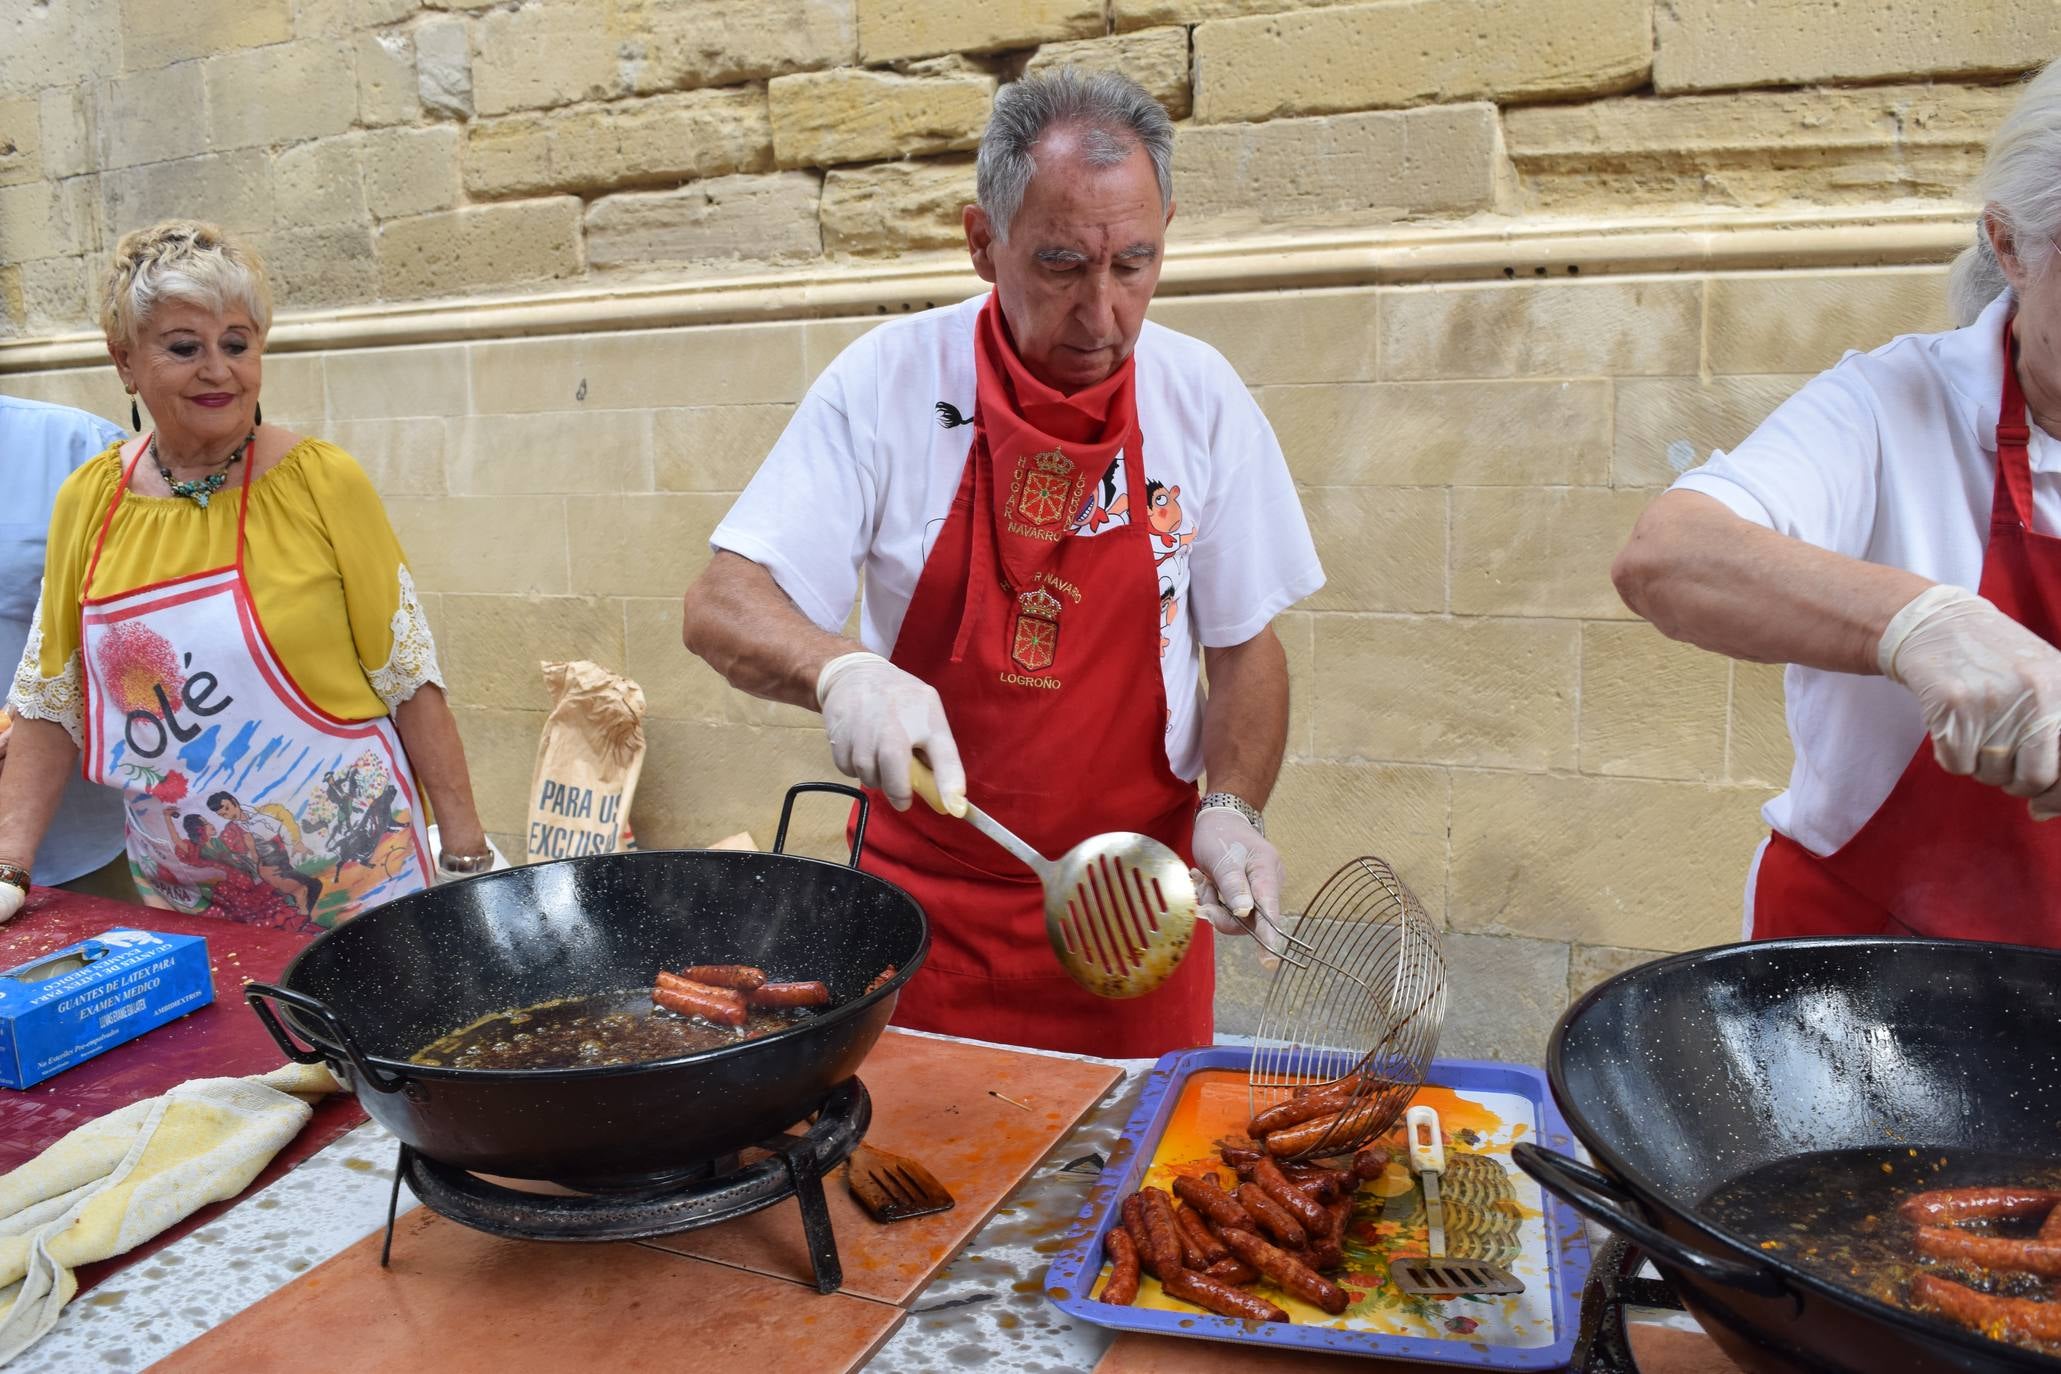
(1048, 488)
(1035, 646)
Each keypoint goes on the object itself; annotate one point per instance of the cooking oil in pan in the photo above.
(1834, 1215)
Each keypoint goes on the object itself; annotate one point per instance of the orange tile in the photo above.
(931, 1102)
(459, 1302)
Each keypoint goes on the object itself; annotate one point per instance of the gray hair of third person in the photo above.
(2020, 184)
(1114, 114)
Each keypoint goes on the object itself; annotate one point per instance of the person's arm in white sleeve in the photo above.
(767, 611)
(1795, 591)
(1252, 559)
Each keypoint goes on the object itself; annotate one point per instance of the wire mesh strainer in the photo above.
(1360, 972)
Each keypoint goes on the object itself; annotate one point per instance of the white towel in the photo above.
(114, 1183)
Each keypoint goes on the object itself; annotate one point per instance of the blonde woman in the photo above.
(228, 632)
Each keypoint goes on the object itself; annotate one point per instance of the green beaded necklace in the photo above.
(201, 488)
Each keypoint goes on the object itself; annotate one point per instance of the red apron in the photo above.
(1945, 855)
(1045, 648)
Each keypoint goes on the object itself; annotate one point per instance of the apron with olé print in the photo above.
(244, 799)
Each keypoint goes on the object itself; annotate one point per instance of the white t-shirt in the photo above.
(1889, 457)
(857, 489)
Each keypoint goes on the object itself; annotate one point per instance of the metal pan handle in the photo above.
(261, 995)
(1604, 1201)
(787, 813)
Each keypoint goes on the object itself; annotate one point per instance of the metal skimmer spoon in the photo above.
(1119, 908)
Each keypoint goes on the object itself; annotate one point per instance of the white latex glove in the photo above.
(1990, 690)
(1237, 872)
(11, 898)
(877, 717)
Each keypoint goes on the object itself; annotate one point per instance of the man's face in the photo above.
(226, 809)
(1081, 263)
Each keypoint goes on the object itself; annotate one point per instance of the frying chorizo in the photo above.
(1297, 1203)
(1214, 1295)
(1201, 1243)
(1945, 1206)
(2041, 1257)
(790, 995)
(1162, 1236)
(1208, 1197)
(1371, 1161)
(1308, 1102)
(742, 977)
(1322, 1183)
(1122, 1288)
(881, 979)
(1334, 1134)
(1290, 1273)
(1985, 1312)
(720, 1005)
(1271, 1215)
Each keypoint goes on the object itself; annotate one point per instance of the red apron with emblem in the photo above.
(1045, 648)
(1945, 856)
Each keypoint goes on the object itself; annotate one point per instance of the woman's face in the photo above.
(198, 374)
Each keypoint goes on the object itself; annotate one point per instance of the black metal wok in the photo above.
(1686, 1074)
(368, 994)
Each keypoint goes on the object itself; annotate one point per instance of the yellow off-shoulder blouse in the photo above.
(325, 569)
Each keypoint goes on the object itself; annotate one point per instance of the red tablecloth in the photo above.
(222, 1040)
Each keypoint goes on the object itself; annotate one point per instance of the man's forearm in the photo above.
(737, 619)
(1245, 719)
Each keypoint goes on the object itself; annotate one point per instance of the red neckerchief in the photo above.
(1018, 418)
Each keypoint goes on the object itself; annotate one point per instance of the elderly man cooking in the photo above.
(1842, 538)
(1048, 503)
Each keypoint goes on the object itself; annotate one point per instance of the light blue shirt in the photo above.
(40, 446)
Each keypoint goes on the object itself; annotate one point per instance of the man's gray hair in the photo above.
(1114, 114)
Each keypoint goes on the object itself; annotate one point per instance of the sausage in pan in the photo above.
(1208, 1197)
(2041, 1257)
(881, 979)
(720, 1005)
(1272, 1216)
(1201, 1243)
(1991, 1315)
(1333, 1133)
(1293, 1200)
(1219, 1297)
(790, 995)
(1945, 1206)
(1162, 1237)
(1286, 1270)
(742, 977)
(1122, 1288)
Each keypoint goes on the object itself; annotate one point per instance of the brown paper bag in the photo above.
(588, 760)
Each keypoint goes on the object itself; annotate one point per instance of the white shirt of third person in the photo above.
(863, 477)
(1889, 457)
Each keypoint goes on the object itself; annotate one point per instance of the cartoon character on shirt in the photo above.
(1094, 513)
(1169, 607)
(1163, 511)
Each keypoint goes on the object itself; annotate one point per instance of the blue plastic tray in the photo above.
(1073, 1274)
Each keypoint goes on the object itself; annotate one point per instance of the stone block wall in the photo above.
(392, 150)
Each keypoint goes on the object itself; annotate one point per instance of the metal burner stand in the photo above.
(1604, 1346)
(794, 1167)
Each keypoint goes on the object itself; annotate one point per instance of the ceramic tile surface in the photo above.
(934, 1101)
(460, 1302)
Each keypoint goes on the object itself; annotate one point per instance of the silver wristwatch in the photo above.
(1230, 801)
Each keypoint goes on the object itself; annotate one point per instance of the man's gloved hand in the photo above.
(1990, 690)
(1236, 871)
(877, 716)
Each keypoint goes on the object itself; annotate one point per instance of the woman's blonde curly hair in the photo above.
(183, 260)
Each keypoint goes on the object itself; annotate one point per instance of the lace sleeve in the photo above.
(414, 657)
(35, 697)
